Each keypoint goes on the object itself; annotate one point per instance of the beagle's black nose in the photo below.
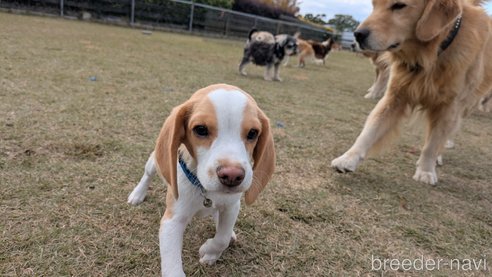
(230, 176)
(361, 36)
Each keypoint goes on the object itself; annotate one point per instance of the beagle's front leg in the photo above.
(171, 243)
(212, 249)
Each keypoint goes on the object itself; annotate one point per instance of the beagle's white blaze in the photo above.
(229, 108)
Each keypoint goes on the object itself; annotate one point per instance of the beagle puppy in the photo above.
(210, 150)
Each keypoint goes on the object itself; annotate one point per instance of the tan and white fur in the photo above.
(444, 85)
(308, 53)
(235, 156)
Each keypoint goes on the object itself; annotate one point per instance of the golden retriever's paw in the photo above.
(346, 162)
(483, 106)
(449, 144)
(427, 177)
(439, 160)
(371, 94)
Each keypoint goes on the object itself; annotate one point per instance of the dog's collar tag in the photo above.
(207, 203)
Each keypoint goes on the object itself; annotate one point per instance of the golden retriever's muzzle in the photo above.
(361, 37)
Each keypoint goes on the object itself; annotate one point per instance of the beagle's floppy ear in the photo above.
(437, 15)
(170, 138)
(264, 160)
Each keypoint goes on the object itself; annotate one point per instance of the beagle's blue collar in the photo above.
(190, 175)
(194, 181)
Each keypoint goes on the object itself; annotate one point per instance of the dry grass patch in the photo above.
(71, 149)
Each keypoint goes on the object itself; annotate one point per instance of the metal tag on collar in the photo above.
(207, 202)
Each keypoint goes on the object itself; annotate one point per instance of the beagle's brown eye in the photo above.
(252, 134)
(398, 6)
(201, 131)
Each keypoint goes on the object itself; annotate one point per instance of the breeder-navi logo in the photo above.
(428, 264)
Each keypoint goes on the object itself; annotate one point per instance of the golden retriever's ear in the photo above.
(170, 138)
(437, 15)
(264, 160)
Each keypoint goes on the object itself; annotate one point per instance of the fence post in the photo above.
(61, 8)
(227, 24)
(278, 28)
(132, 13)
(192, 11)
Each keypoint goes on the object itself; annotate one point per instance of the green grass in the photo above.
(71, 150)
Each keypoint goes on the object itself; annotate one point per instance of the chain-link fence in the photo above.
(173, 14)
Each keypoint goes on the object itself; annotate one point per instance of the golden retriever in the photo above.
(440, 64)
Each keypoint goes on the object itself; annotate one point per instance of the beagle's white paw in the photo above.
(173, 274)
(347, 162)
(137, 196)
(427, 177)
(211, 251)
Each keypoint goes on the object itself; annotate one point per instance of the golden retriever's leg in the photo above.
(442, 124)
(486, 103)
(377, 90)
(381, 124)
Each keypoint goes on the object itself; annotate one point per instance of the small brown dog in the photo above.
(312, 50)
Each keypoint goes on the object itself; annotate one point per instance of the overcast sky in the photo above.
(359, 9)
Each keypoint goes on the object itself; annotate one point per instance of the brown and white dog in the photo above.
(312, 50)
(317, 51)
(440, 52)
(211, 149)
